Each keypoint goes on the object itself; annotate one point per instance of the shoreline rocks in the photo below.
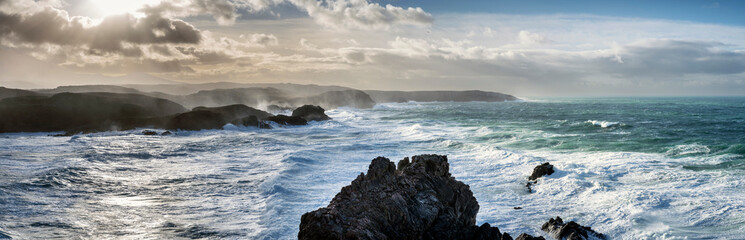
(569, 231)
(416, 199)
(76, 113)
(311, 113)
(541, 170)
(419, 200)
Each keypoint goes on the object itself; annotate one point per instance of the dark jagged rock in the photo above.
(196, 120)
(166, 133)
(420, 200)
(251, 121)
(311, 113)
(541, 170)
(569, 231)
(287, 120)
(528, 237)
(149, 133)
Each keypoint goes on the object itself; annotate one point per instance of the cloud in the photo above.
(529, 38)
(54, 26)
(669, 58)
(262, 39)
(223, 11)
(361, 14)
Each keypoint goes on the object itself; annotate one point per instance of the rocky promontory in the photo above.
(419, 199)
(74, 113)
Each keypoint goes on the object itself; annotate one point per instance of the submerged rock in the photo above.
(541, 170)
(166, 133)
(569, 231)
(287, 120)
(311, 113)
(419, 200)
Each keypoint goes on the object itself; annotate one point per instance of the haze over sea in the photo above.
(642, 168)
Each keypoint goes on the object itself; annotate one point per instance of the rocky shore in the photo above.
(418, 199)
(74, 113)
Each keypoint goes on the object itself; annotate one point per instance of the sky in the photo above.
(525, 48)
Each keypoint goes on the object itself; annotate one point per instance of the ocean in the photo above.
(630, 168)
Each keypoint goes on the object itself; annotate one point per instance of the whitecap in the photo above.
(604, 124)
(687, 149)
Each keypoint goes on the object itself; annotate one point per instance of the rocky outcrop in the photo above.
(215, 118)
(82, 112)
(541, 170)
(287, 120)
(569, 231)
(419, 200)
(311, 113)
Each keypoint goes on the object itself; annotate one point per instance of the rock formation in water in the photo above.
(419, 200)
(569, 231)
(541, 170)
(216, 117)
(311, 113)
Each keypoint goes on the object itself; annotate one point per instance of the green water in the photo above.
(702, 127)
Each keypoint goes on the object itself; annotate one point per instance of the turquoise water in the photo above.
(631, 168)
(705, 127)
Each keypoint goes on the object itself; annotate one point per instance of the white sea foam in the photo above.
(687, 149)
(604, 124)
(254, 183)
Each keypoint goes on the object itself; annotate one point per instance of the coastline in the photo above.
(299, 169)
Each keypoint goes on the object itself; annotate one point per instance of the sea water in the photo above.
(631, 168)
